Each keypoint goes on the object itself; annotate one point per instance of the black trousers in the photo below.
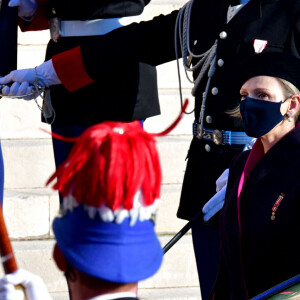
(206, 247)
(199, 185)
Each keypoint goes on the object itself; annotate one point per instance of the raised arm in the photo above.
(151, 42)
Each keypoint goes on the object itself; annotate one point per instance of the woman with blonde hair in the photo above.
(259, 223)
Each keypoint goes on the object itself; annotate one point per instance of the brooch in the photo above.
(275, 206)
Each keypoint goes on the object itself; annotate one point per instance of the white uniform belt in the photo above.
(93, 27)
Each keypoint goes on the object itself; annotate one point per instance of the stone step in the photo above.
(177, 273)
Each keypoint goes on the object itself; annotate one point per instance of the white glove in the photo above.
(45, 74)
(34, 286)
(26, 8)
(214, 204)
(222, 180)
(18, 89)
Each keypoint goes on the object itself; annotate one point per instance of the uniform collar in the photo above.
(252, 11)
(232, 11)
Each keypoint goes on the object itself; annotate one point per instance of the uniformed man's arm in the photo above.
(151, 42)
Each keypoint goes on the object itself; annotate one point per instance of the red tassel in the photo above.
(175, 123)
(60, 137)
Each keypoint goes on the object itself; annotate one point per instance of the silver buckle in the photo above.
(54, 26)
(199, 136)
(216, 136)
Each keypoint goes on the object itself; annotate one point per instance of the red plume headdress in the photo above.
(113, 169)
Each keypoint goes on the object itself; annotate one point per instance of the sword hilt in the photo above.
(35, 89)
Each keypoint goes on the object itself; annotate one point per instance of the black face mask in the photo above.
(259, 116)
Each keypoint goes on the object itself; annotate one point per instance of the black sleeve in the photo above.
(151, 42)
(293, 40)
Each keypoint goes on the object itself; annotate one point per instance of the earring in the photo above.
(290, 119)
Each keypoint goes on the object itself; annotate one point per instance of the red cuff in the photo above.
(70, 69)
(39, 21)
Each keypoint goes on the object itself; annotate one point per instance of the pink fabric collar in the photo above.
(254, 157)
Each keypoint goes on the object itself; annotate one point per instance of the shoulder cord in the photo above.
(207, 60)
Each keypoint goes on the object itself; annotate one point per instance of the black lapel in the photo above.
(285, 149)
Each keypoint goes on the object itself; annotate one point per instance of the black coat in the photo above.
(268, 251)
(123, 93)
(276, 21)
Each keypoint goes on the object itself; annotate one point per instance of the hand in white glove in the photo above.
(34, 286)
(214, 204)
(26, 8)
(18, 89)
(222, 180)
(45, 74)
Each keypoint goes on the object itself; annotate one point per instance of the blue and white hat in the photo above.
(111, 188)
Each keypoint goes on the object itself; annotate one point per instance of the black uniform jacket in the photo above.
(264, 252)
(124, 92)
(275, 21)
